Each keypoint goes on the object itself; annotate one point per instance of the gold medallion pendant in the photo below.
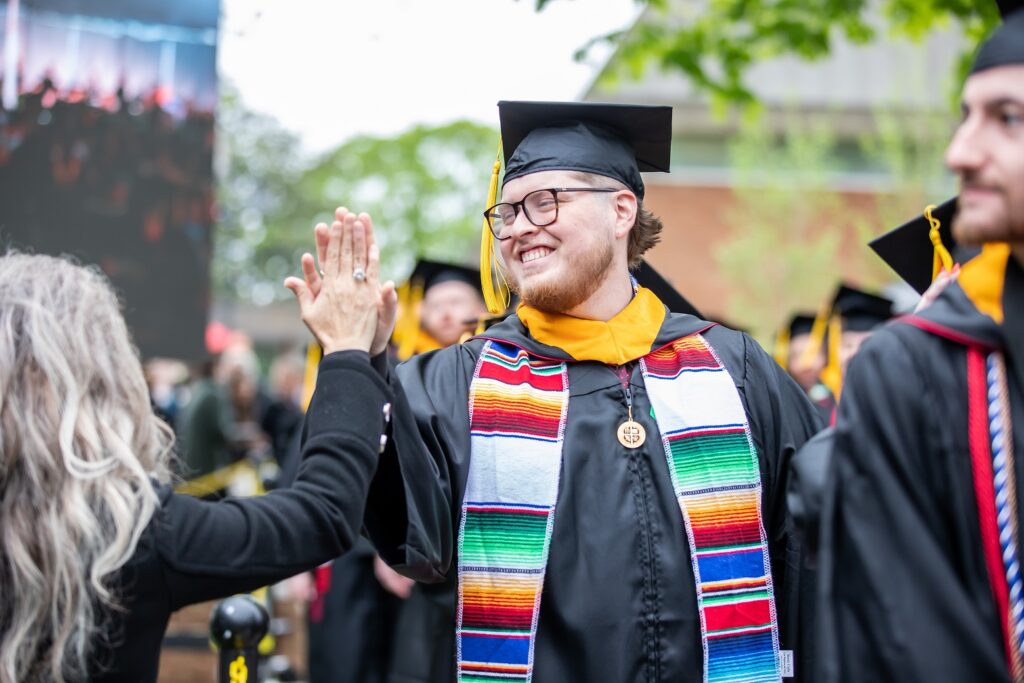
(632, 434)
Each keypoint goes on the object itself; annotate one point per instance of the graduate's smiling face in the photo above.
(987, 153)
(559, 266)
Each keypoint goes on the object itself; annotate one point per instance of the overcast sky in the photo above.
(329, 69)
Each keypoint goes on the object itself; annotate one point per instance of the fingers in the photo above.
(360, 258)
(345, 262)
(367, 222)
(321, 233)
(388, 312)
(302, 294)
(373, 265)
(334, 248)
(310, 273)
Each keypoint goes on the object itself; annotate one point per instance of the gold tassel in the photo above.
(943, 260)
(410, 322)
(313, 355)
(818, 330)
(781, 348)
(832, 375)
(497, 300)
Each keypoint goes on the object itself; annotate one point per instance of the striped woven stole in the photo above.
(990, 438)
(518, 407)
(714, 470)
(517, 420)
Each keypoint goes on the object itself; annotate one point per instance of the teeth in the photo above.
(534, 254)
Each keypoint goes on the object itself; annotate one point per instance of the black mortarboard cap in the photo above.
(648, 277)
(801, 323)
(1005, 46)
(429, 273)
(909, 251)
(861, 311)
(614, 140)
(1008, 7)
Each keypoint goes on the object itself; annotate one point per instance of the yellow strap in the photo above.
(781, 348)
(313, 355)
(409, 325)
(497, 300)
(818, 330)
(215, 481)
(832, 375)
(943, 260)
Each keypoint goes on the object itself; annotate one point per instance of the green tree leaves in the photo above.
(425, 189)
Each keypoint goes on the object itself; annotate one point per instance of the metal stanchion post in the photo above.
(237, 625)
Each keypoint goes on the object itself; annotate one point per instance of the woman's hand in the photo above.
(340, 304)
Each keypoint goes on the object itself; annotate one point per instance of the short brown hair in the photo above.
(645, 234)
(646, 231)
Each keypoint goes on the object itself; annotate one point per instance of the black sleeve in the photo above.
(412, 511)
(805, 491)
(214, 549)
(782, 420)
(893, 605)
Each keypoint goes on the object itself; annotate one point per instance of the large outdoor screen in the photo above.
(106, 150)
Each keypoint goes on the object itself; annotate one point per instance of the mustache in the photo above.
(970, 181)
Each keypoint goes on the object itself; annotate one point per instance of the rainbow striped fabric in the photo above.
(714, 470)
(517, 420)
(518, 406)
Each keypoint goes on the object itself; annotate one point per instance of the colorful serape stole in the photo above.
(517, 420)
(518, 406)
(714, 469)
(992, 461)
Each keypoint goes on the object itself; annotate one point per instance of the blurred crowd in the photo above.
(116, 156)
(227, 409)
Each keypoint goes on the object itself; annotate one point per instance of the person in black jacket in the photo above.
(97, 550)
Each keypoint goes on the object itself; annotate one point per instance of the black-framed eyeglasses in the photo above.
(540, 207)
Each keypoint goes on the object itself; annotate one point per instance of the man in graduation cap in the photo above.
(441, 303)
(920, 560)
(858, 313)
(800, 350)
(607, 475)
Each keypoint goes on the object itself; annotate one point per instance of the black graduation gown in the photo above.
(904, 589)
(619, 601)
(195, 550)
(353, 640)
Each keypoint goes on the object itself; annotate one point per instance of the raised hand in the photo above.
(340, 306)
(387, 313)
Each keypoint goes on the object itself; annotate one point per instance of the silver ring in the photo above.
(358, 274)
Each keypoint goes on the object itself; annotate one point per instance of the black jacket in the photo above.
(195, 550)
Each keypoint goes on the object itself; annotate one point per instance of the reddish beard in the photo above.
(560, 296)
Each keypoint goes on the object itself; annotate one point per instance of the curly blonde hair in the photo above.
(80, 449)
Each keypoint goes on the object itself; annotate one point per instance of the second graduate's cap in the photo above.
(614, 140)
(648, 277)
(1005, 47)
(1008, 7)
(861, 311)
(800, 324)
(909, 249)
(916, 254)
(426, 274)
